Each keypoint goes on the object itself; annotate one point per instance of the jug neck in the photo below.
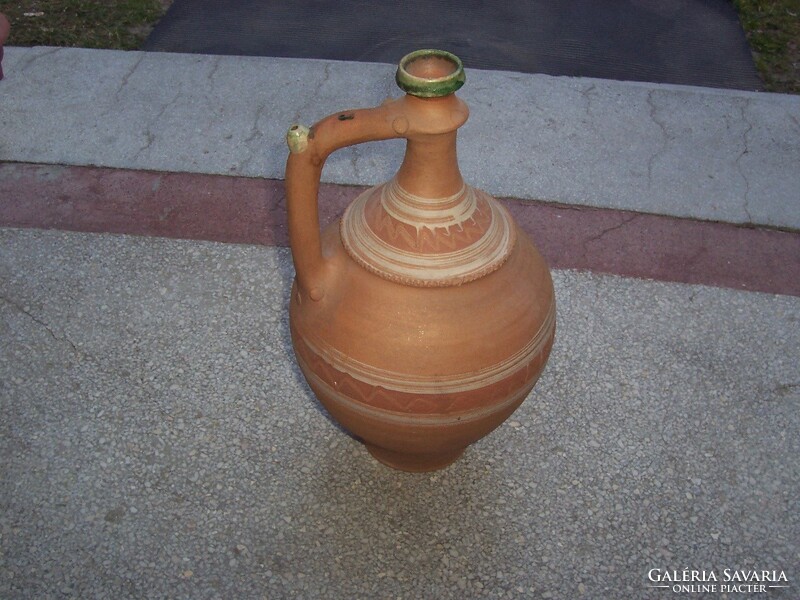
(425, 227)
(430, 166)
(430, 79)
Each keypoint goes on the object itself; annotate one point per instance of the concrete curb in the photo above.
(663, 149)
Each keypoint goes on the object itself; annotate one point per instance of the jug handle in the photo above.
(309, 149)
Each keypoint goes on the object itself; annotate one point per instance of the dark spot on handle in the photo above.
(346, 117)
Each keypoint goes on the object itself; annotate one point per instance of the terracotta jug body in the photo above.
(424, 316)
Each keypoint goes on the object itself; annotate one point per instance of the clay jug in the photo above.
(424, 316)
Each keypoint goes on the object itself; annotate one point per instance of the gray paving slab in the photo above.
(158, 441)
(676, 150)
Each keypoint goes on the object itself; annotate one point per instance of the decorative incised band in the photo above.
(427, 242)
(424, 213)
(415, 419)
(405, 393)
(415, 384)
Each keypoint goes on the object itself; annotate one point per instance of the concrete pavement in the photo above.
(157, 439)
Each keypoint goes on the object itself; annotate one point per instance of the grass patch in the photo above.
(773, 32)
(118, 24)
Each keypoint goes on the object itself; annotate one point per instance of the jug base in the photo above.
(414, 463)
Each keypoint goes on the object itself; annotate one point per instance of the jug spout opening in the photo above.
(430, 73)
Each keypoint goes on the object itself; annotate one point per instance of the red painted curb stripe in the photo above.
(253, 211)
(664, 248)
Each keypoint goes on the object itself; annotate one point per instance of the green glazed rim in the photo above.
(424, 87)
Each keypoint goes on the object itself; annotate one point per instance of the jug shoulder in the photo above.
(435, 331)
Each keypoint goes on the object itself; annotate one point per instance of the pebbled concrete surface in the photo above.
(674, 150)
(158, 441)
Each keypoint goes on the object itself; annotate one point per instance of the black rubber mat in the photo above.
(693, 42)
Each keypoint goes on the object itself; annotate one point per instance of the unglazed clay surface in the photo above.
(424, 317)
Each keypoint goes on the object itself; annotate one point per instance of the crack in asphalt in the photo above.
(127, 77)
(664, 138)
(150, 136)
(745, 150)
(43, 324)
(586, 93)
(312, 97)
(604, 232)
